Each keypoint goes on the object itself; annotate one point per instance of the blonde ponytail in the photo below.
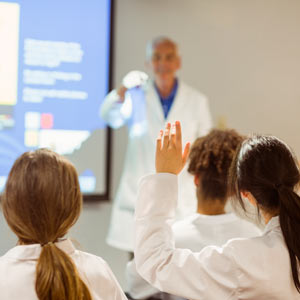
(41, 202)
(57, 277)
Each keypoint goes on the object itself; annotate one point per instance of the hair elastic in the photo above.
(47, 244)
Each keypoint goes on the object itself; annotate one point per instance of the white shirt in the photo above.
(18, 273)
(198, 231)
(255, 268)
(191, 108)
(194, 232)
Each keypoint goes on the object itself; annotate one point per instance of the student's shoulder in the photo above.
(91, 263)
(90, 257)
(96, 272)
(257, 253)
(185, 225)
(242, 245)
(247, 228)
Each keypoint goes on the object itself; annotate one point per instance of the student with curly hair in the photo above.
(264, 172)
(41, 202)
(209, 161)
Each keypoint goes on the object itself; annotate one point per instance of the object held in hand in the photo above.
(134, 78)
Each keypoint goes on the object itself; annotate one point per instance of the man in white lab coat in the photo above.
(145, 106)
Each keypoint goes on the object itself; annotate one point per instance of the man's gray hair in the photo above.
(158, 41)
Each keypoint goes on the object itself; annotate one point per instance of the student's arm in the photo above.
(209, 274)
(138, 288)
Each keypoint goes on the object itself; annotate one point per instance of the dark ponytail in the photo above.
(290, 225)
(267, 168)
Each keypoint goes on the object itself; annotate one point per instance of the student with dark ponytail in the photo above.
(265, 173)
(41, 202)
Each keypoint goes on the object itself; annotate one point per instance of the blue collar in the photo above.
(168, 101)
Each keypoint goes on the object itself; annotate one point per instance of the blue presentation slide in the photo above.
(54, 72)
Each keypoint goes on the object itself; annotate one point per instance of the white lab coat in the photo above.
(194, 232)
(18, 273)
(191, 108)
(256, 268)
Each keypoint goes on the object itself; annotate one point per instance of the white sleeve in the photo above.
(209, 274)
(138, 288)
(112, 110)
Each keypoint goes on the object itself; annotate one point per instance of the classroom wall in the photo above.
(244, 55)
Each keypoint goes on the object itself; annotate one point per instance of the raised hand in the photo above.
(169, 157)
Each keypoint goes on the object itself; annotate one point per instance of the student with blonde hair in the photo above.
(41, 202)
(265, 173)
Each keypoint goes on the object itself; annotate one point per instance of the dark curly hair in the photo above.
(210, 158)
